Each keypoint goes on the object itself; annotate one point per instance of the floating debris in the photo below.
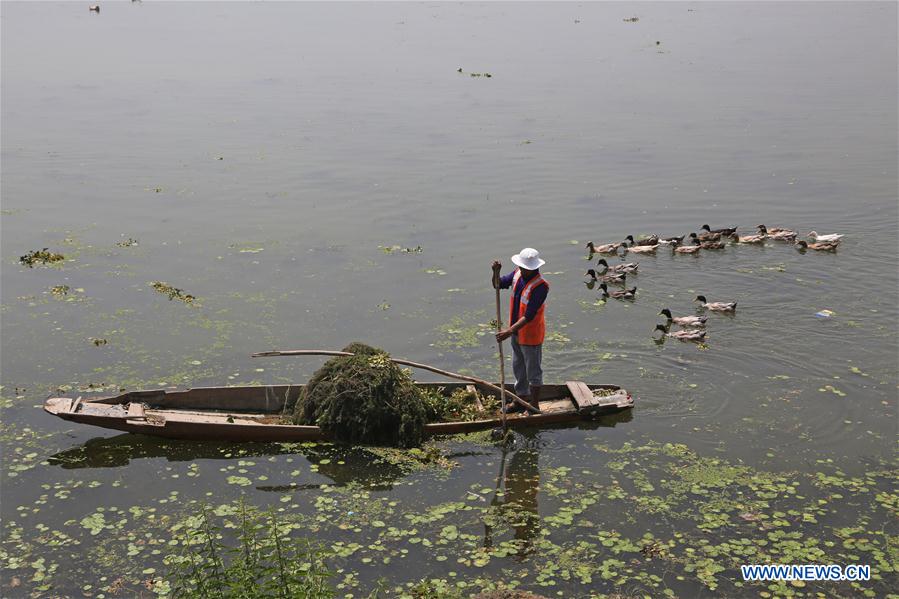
(392, 249)
(98, 342)
(43, 256)
(825, 314)
(632, 20)
(173, 292)
(60, 290)
(127, 243)
(488, 75)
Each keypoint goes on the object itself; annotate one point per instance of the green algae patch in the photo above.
(460, 332)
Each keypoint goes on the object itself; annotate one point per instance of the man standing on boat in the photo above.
(527, 325)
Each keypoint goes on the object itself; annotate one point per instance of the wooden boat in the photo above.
(254, 413)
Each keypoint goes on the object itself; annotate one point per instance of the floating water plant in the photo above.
(392, 249)
(43, 256)
(173, 292)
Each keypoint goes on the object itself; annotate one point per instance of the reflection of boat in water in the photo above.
(254, 413)
(343, 465)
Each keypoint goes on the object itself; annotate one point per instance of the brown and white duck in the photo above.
(684, 321)
(641, 249)
(694, 335)
(822, 246)
(706, 236)
(606, 248)
(651, 240)
(671, 240)
(777, 234)
(716, 306)
(623, 267)
(748, 238)
(711, 245)
(616, 278)
(624, 294)
(688, 249)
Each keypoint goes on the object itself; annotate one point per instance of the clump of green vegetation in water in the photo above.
(43, 256)
(392, 249)
(428, 455)
(60, 290)
(173, 292)
(127, 243)
(364, 399)
(265, 563)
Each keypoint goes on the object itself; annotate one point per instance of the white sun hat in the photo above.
(528, 258)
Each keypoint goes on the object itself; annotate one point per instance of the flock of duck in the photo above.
(692, 328)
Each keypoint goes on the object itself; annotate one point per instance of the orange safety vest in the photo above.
(533, 332)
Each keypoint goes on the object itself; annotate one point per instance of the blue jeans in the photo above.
(526, 364)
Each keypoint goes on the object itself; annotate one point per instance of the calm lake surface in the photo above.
(265, 158)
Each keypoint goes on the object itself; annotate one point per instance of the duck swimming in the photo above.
(616, 278)
(829, 237)
(727, 232)
(706, 236)
(608, 248)
(626, 294)
(688, 249)
(641, 249)
(778, 234)
(672, 240)
(681, 335)
(684, 321)
(773, 230)
(824, 246)
(624, 267)
(651, 240)
(716, 306)
(748, 238)
(711, 245)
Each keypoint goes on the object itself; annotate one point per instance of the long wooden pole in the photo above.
(502, 361)
(446, 373)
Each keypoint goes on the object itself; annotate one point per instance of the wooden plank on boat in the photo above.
(136, 410)
(581, 394)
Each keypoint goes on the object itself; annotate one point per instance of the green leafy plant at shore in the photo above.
(266, 562)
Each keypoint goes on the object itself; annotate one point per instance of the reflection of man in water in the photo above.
(522, 483)
(521, 479)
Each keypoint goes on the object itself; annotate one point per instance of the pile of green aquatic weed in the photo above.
(460, 405)
(364, 398)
